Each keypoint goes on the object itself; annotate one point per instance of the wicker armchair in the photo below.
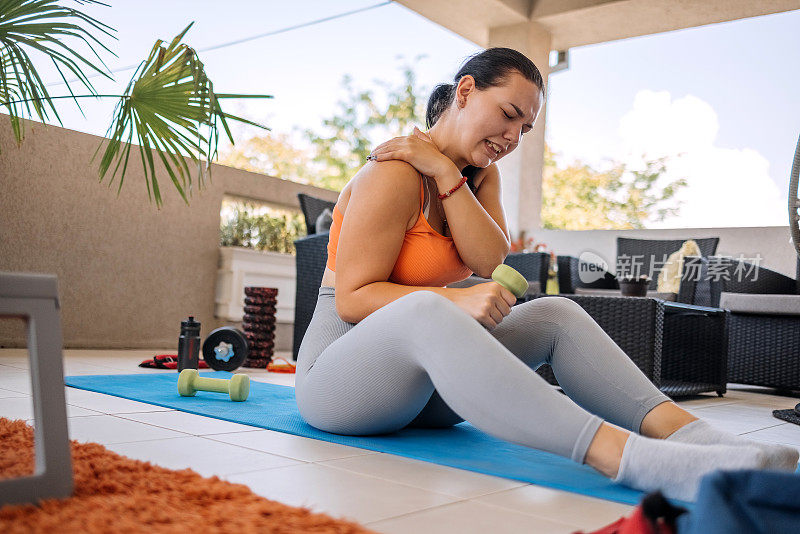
(312, 207)
(764, 332)
(312, 255)
(651, 252)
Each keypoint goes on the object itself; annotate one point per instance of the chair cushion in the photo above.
(669, 278)
(534, 287)
(324, 221)
(618, 293)
(761, 304)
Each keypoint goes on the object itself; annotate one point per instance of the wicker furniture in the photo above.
(312, 255)
(649, 255)
(312, 207)
(764, 334)
(681, 348)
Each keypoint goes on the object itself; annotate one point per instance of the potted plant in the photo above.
(631, 286)
(256, 249)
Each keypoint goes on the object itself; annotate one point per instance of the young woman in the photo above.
(389, 346)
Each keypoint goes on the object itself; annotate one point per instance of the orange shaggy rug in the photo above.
(116, 494)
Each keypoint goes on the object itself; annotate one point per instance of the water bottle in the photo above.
(189, 345)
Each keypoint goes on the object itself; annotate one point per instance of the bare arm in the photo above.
(477, 221)
(382, 202)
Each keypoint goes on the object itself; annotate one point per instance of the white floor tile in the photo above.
(786, 433)
(7, 394)
(338, 492)
(586, 512)
(108, 404)
(208, 458)
(469, 517)
(291, 446)
(281, 379)
(17, 380)
(108, 429)
(22, 408)
(188, 423)
(759, 394)
(425, 475)
(77, 368)
(737, 418)
(17, 358)
(700, 401)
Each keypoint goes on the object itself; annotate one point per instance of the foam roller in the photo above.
(511, 279)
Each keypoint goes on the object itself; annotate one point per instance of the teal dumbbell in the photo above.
(509, 278)
(190, 382)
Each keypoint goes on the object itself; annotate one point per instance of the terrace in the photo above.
(128, 275)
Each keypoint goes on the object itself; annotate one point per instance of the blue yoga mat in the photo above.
(463, 446)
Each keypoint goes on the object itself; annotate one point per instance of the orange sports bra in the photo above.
(426, 258)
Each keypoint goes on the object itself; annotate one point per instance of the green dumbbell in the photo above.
(190, 382)
(509, 278)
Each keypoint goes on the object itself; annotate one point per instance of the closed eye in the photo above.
(525, 128)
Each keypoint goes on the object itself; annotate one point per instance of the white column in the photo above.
(521, 171)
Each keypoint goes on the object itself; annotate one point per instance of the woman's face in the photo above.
(492, 121)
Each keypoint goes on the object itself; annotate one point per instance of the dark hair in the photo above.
(489, 69)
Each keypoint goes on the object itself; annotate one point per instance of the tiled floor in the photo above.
(384, 492)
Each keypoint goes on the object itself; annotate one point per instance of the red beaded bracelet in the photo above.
(445, 195)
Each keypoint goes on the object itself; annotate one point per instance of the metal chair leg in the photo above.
(34, 298)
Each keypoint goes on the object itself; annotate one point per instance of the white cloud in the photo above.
(726, 187)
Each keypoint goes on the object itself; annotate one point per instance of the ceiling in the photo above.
(582, 22)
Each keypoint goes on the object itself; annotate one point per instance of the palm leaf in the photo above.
(171, 108)
(44, 26)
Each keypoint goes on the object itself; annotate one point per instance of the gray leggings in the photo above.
(422, 361)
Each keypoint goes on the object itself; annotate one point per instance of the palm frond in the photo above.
(44, 26)
(171, 108)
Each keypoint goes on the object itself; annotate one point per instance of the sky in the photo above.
(720, 100)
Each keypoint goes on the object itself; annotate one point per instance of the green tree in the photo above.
(360, 123)
(578, 197)
(575, 197)
(273, 154)
(341, 146)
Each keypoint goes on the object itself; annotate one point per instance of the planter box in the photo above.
(240, 267)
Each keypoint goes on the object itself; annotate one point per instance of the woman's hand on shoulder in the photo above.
(416, 149)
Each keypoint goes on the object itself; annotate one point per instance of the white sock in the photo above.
(701, 433)
(676, 468)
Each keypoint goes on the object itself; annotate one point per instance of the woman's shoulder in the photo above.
(393, 168)
(394, 182)
(392, 175)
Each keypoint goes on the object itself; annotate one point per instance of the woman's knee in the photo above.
(425, 299)
(421, 306)
(560, 308)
